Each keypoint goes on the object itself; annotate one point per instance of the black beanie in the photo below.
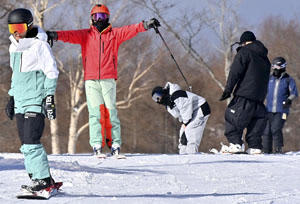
(247, 36)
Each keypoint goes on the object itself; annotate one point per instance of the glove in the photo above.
(183, 139)
(10, 109)
(287, 103)
(49, 107)
(153, 23)
(52, 35)
(226, 94)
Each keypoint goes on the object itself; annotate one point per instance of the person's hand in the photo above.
(287, 103)
(226, 94)
(49, 107)
(153, 23)
(52, 35)
(10, 109)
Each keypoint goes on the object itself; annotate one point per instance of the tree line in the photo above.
(144, 63)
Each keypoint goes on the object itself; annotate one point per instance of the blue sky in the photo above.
(254, 11)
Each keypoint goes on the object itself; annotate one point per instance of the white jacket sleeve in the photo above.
(48, 65)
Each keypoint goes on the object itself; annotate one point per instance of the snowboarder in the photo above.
(248, 77)
(190, 109)
(99, 45)
(33, 86)
(282, 91)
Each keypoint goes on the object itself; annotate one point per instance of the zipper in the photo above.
(102, 47)
(21, 62)
(114, 62)
(275, 95)
(100, 57)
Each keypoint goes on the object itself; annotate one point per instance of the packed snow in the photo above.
(162, 178)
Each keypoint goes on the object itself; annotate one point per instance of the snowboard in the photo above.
(44, 194)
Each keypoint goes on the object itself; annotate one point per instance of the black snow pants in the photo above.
(243, 113)
(30, 127)
(273, 132)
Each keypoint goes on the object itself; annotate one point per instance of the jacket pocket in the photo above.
(25, 85)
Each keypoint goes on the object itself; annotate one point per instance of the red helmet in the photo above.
(100, 8)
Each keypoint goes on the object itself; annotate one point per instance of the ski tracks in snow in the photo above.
(162, 178)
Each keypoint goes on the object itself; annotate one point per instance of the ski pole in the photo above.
(157, 31)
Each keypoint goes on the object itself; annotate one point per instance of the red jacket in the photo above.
(100, 50)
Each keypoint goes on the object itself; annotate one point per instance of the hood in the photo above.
(172, 87)
(28, 42)
(257, 47)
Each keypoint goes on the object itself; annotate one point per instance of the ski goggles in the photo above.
(157, 97)
(19, 28)
(101, 16)
(275, 66)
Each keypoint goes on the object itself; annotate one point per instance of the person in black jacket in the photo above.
(248, 79)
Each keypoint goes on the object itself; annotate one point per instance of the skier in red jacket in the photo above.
(99, 47)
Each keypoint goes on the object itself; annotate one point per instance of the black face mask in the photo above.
(166, 99)
(101, 25)
(278, 72)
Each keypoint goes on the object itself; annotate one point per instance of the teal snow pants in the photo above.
(30, 128)
(103, 114)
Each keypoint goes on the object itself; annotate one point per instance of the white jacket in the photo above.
(36, 54)
(34, 72)
(185, 108)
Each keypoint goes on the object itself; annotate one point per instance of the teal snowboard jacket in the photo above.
(34, 72)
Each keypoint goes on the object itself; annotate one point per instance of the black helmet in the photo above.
(279, 63)
(20, 15)
(157, 94)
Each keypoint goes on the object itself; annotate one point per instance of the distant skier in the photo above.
(248, 80)
(281, 92)
(99, 46)
(33, 86)
(190, 109)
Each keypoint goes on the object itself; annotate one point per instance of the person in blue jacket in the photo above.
(282, 91)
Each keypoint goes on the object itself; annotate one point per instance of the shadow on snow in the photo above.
(167, 196)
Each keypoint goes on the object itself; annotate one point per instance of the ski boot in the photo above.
(98, 152)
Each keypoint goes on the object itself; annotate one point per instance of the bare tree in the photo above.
(224, 22)
(221, 19)
(40, 7)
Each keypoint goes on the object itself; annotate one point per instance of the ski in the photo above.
(101, 156)
(119, 156)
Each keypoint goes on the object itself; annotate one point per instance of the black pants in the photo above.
(243, 113)
(273, 132)
(30, 127)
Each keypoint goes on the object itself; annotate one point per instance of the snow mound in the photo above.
(163, 178)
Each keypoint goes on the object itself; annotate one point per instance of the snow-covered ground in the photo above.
(161, 178)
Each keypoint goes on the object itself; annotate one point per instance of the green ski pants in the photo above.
(103, 115)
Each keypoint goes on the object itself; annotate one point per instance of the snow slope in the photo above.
(157, 178)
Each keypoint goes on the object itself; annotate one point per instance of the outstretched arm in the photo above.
(70, 36)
